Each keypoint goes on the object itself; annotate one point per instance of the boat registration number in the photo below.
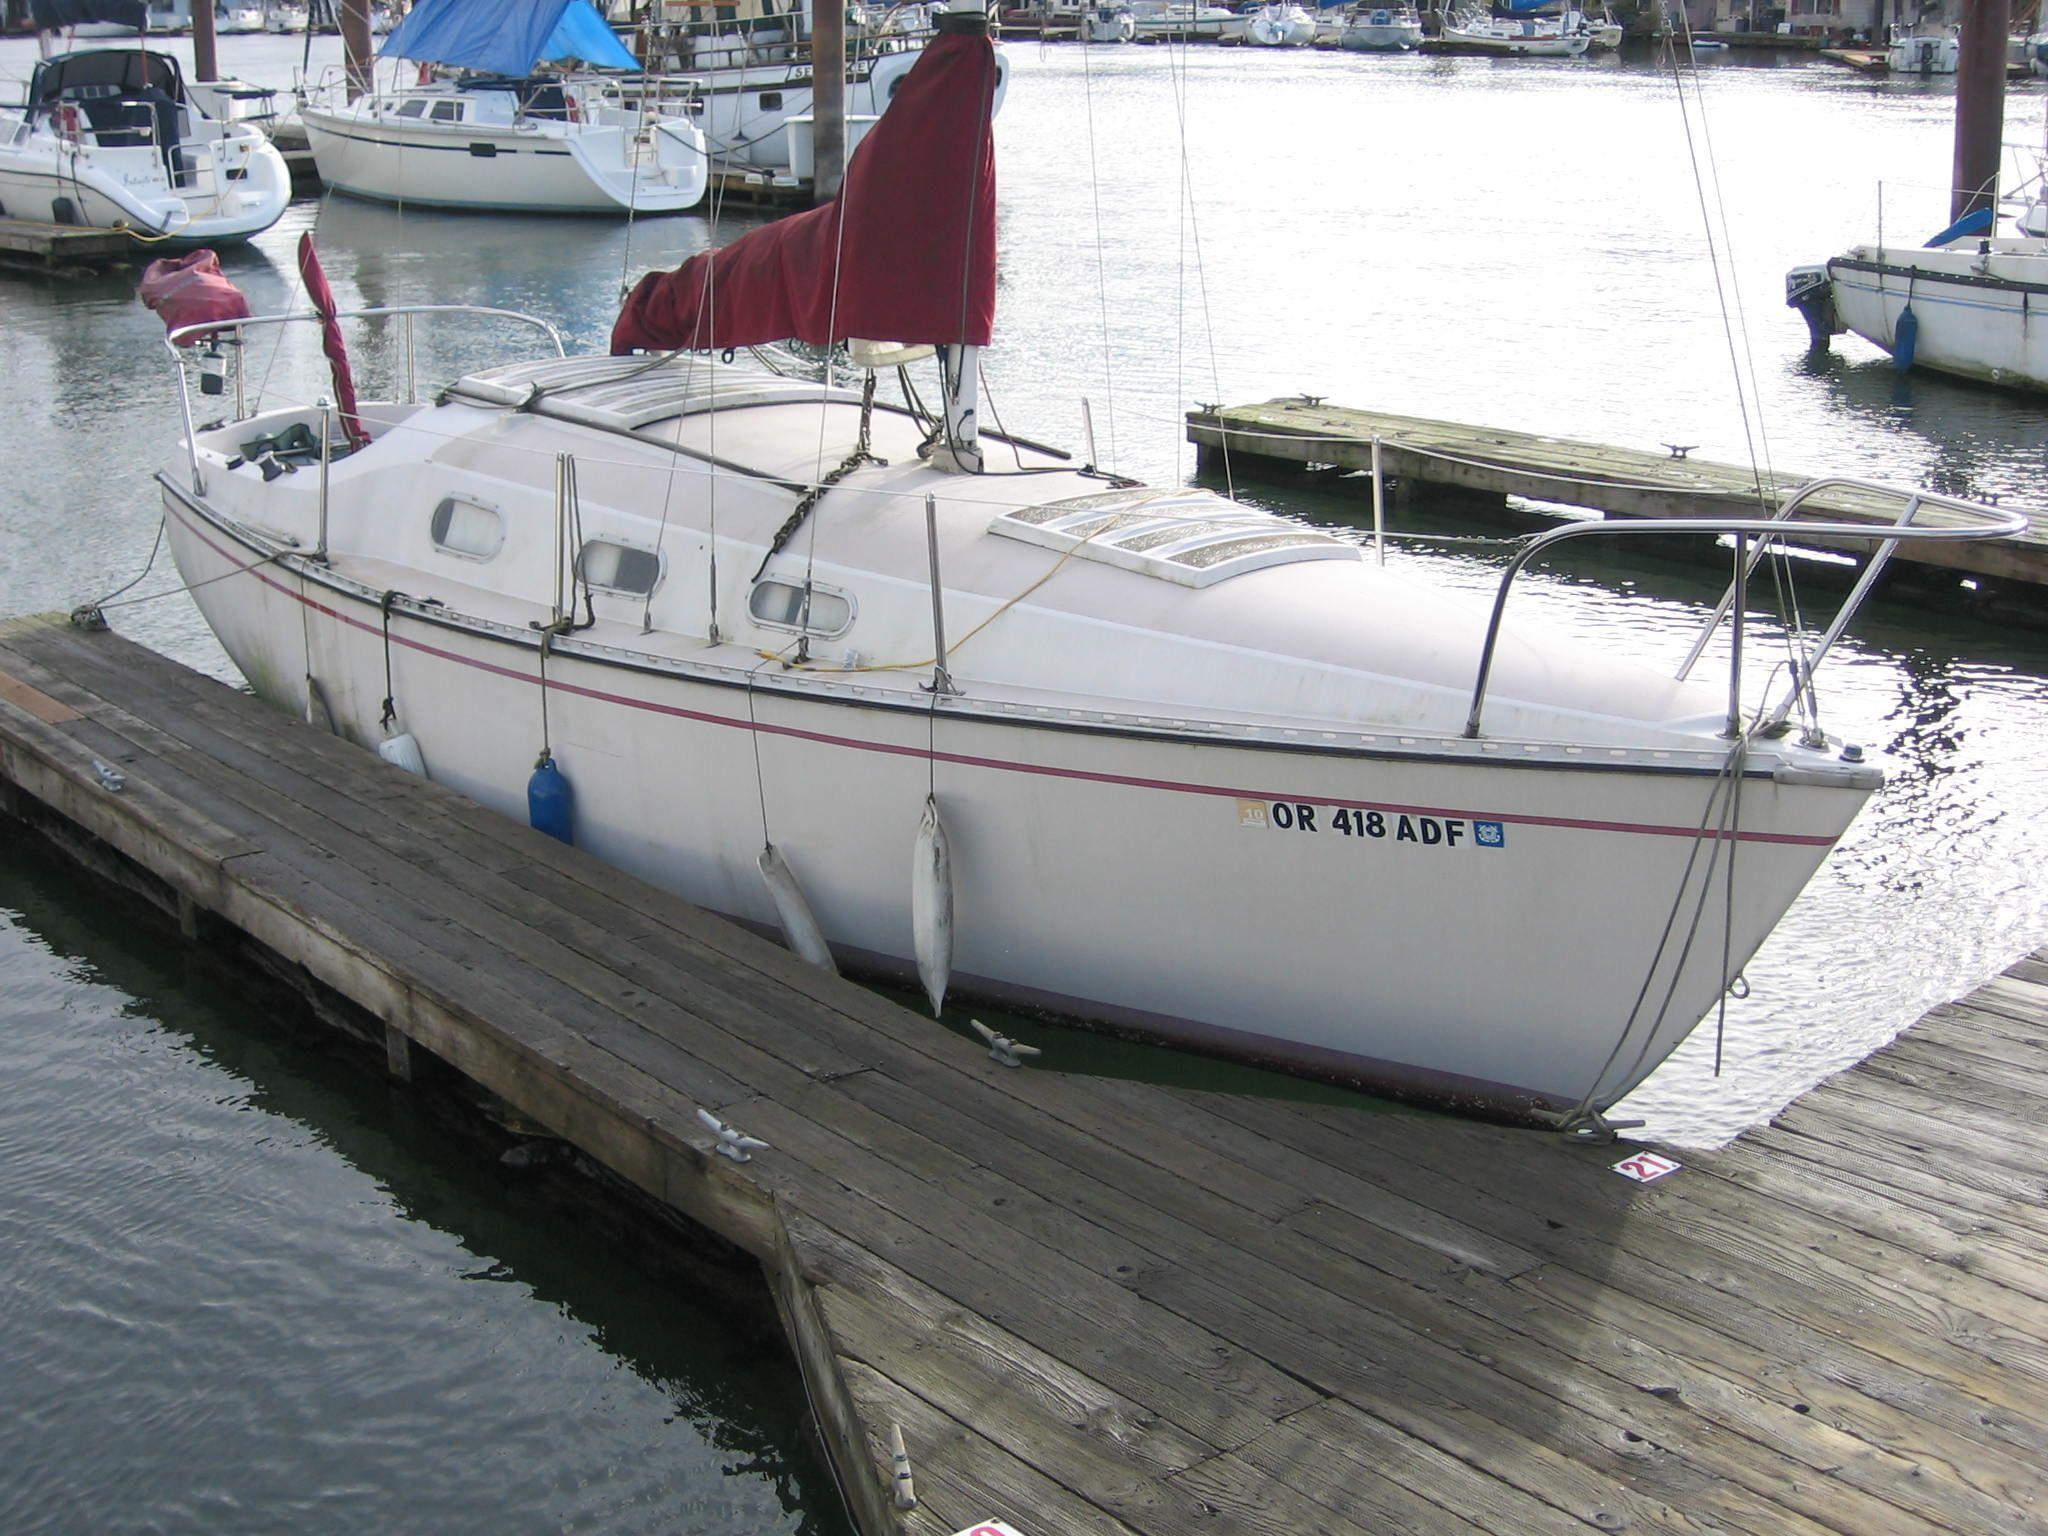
(1350, 821)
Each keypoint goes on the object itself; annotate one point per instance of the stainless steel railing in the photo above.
(237, 331)
(1993, 523)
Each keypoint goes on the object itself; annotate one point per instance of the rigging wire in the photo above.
(1101, 274)
(1749, 394)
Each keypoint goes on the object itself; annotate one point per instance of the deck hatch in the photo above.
(1192, 538)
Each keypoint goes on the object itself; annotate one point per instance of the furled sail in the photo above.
(906, 251)
(507, 37)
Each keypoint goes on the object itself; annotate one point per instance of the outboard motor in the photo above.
(1812, 292)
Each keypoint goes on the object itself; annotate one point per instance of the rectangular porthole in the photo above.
(613, 567)
(781, 605)
(414, 108)
(771, 101)
(447, 111)
(464, 528)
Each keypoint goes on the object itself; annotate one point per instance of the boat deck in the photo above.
(1618, 481)
(1136, 1310)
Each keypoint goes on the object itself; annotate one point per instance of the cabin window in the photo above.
(771, 101)
(463, 528)
(612, 567)
(781, 605)
(413, 108)
(447, 111)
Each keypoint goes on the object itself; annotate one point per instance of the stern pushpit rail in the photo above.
(1753, 537)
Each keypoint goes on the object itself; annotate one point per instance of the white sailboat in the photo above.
(1963, 304)
(1912, 52)
(505, 139)
(1195, 771)
(1474, 31)
(239, 19)
(1175, 19)
(112, 138)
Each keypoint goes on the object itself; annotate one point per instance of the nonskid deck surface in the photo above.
(1107, 1307)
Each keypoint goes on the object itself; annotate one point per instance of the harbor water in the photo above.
(249, 1284)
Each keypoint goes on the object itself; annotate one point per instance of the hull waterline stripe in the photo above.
(995, 764)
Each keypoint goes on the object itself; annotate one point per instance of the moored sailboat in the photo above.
(1013, 725)
(502, 137)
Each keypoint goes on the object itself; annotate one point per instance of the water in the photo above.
(245, 1279)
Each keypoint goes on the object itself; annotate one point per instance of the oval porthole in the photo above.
(621, 568)
(464, 528)
(779, 604)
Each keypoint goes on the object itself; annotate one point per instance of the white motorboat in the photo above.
(1280, 25)
(1962, 304)
(287, 17)
(1167, 763)
(1380, 29)
(1473, 31)
(112, 139)
(510, 140)
(1107, 24)
(1922, 53)
(231, 20)
(1175, 19)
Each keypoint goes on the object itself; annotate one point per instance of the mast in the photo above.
(1980, 105)
(959, 364)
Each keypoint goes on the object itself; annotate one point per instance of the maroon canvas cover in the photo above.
(911, 236)
(191, 290)
(321, 296)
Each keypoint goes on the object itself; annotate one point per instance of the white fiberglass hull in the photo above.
(1516, 46)
(1983, 318)
(1375, 37)
(44, 177)
(502, 168)
(1466, 932)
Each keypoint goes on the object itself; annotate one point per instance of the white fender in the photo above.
(931, 905)
(800, 929)
(403, 751)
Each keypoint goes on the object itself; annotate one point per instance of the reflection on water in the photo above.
(251, 1287)
(1516, 243)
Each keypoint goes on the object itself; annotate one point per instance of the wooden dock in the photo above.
(63, 249)
(1101, 1307)
(1304, 432)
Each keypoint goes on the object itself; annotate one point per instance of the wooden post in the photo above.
(356, 46)
(828, 97)
(1980, 105)
(205, 56)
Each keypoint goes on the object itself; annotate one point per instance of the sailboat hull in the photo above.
(1983, 318)
(1463, 932)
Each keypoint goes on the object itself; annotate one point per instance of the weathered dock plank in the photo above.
(33, 246)
(1101, 1306)
(1617, 481)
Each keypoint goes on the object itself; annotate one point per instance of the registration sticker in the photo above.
(990, 1528)
(1490, 834)
(1253, 813)
(1646, 1167)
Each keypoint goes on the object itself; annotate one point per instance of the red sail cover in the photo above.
(321, 296)
(916, 257)
(190, 290)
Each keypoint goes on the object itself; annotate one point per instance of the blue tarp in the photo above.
(507, 37)
(1526, 7)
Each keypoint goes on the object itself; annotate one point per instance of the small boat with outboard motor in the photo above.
(810, 646)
